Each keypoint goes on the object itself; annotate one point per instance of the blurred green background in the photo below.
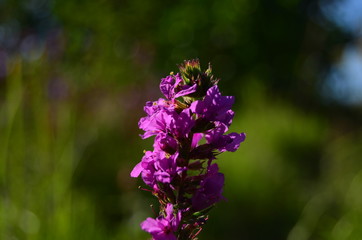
(74, 76)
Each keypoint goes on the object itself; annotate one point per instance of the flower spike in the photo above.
(190, 128)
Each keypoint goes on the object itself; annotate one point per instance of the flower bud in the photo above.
(191, 73)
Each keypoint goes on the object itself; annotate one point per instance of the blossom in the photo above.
(165, 142)
(163, 228)
(166, 168)
(157, 166)
(152, 107)
(182, 124)
(230, 142)
(146, 168)
(210, 189)
(158, 122)
(214, 107)
(172, 87)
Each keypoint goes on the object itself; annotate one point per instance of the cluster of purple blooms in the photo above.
(190, 128)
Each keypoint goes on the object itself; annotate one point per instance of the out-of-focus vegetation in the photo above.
(74, 76)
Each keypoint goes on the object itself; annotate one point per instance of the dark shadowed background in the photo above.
(74, 76)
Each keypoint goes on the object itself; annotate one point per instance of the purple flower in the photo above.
(158, 122)
(146, 168)
(164, 120)
(216, 133)
(182, 124)
(163, 228)
(157, 167)
(210, 189)
(230, 142)
(172, 87)
(166, 168)
(214, 107)
(152, 107)
(165, 142)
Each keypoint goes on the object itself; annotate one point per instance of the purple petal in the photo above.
(213, 169)
(165, 142)
(234, 141)
(156, 123)
(148, 177)
(137, 170)
(226, 117)
(214, 135)
(198, 107)
(188, 90)
(210, 191)
(151, 225)
(183, 123)
(167, 86)
(195, 139)
(149, 108)
(214, 97)
(163, 177)
(213, 184)
(214, 107)
(176, 221)
(169, 211)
